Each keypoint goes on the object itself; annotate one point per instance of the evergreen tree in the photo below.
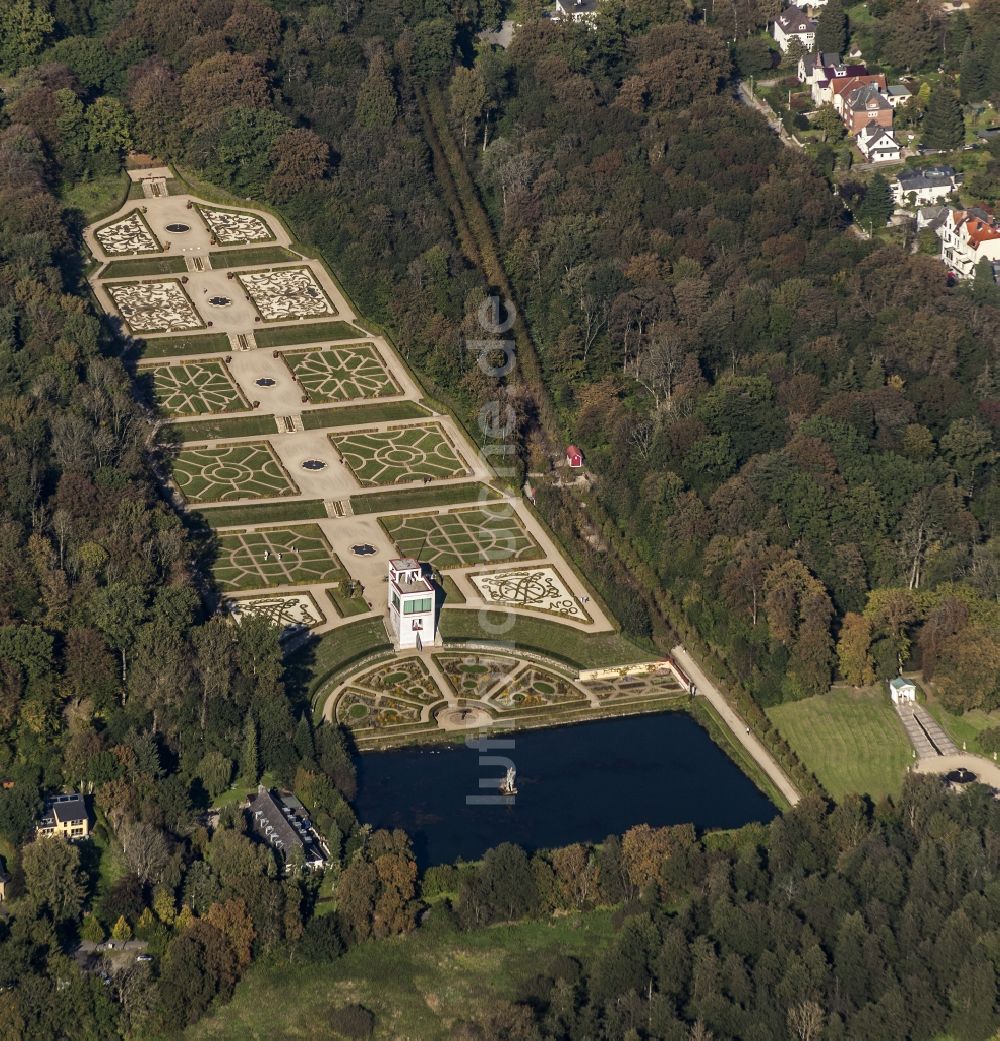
(249, 760)
(972, 79)
(831, 28)
(303, 739)
(944, 124)
(876, 207)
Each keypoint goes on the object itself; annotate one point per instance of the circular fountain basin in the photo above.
(178, 229)
(265, 381)
(314, 464)
(219, 301)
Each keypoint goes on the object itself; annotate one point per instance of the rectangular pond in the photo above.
(575, 783)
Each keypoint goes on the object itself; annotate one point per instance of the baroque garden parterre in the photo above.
(281, 350)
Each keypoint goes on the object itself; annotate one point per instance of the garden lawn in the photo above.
(317, 332)
(263, 513)
(252, 257)
(852, 741)
(474, 536)
(213, 429)
(416, 985)
(193, 388)
(964, 729)
(245, 470)
(420, 498)
(97, 197)
(360, 415)
(265, 557)
(582, 649)
(144, 266)
(347, 606)
(170, 346)
(341, 373)
(318, 659)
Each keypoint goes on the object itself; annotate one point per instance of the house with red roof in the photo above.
(967, 237)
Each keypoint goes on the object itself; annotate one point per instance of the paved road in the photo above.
(737, 725)
(751, 101)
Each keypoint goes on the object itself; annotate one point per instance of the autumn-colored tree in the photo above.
(853, 650)
(644, 850)
(301, 159)
(210, 89)
(234, 922)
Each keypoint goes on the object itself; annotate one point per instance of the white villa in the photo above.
(932, 184)
(967, 237)
(794, 24)
(577, 10)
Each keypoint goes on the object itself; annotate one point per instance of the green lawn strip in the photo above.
(145, 266)
(966, 728)
(703, 711)
(452, 594)
(420, 498)
(852, 741)
(251, 257)
(355, 415)
(347, 606)
(262, 513)
(317, 660)
(315, 332)
(512, 632)
(417, 985)
(213, 429)
(169, 346)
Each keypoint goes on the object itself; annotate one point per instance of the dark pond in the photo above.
(575, 783)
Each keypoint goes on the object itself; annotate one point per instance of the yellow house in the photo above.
(65, 816)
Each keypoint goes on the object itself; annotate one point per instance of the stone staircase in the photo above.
(338, 507)
(154, 187)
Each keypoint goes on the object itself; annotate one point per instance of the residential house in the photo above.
(65, 816)
(897, 94)
(863, 106)
(901, 690)
(811, 65)
(283, 823)
(577, 10)
(794, 24)
(841, 80)
(932, 217)
(967, 237)
(878, 145)
(574, 457)
(932, 184)
(4, 879)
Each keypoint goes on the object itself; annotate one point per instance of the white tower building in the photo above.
(412, 605)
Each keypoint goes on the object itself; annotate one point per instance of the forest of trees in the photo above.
(792, 429)
(855, 923)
